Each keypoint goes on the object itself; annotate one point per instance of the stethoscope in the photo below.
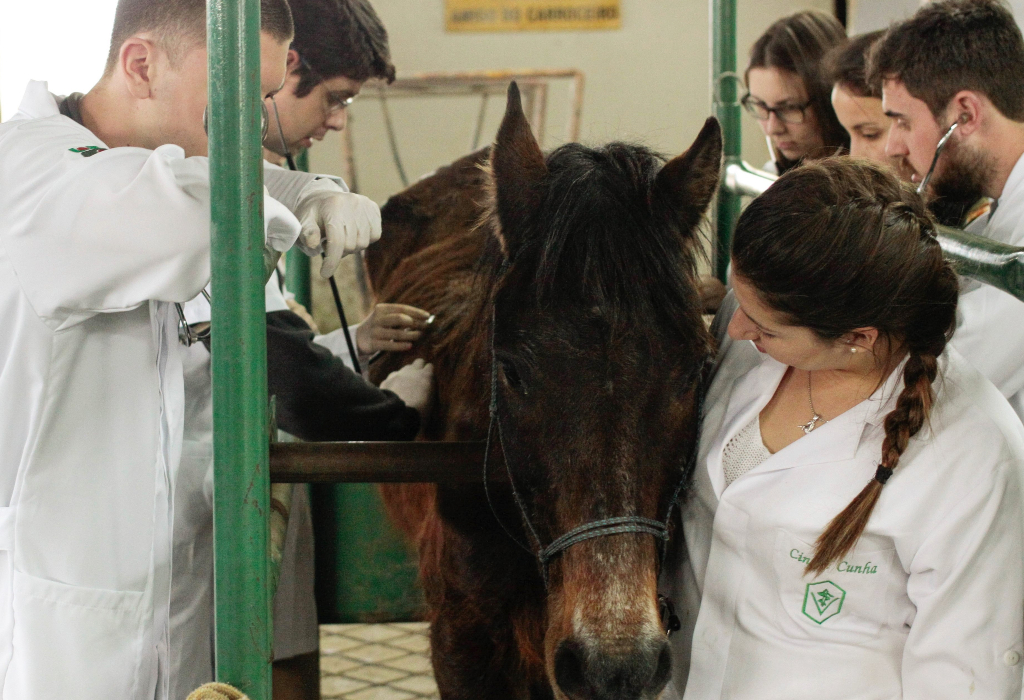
(939, 147)
(280, 132)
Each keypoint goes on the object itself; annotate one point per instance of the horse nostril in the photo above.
(569, 667)
(663, 671)
(592, 675)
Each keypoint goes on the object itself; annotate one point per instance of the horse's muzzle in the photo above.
(586, 672)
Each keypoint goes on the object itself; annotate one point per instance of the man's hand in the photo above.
(336, 223)
(414, 384)
(391, 327)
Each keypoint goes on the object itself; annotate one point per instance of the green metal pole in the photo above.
(724, 86)
(297, 262)
(297, 271)
(241, 464)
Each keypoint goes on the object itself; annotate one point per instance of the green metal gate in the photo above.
(365, 571)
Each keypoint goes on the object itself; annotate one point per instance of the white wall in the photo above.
(648, 82)
(61, 41)
(869, 15)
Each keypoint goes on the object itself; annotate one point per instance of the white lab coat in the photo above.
(990, 322)
(92, 250)
(930, 604)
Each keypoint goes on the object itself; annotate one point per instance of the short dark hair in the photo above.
(181, 24)
(340, 38)
(955, 45)
(797, 44)
(848, 65)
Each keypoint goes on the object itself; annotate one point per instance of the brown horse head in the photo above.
(598, 343)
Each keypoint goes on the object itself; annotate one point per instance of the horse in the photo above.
(569, 336)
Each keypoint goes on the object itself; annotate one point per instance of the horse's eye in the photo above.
(508, 369)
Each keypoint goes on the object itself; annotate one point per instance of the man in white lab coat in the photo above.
(338, 46)
(105, 225)
(955, 66)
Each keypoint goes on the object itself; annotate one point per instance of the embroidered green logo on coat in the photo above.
(822, 600)
(87, 151)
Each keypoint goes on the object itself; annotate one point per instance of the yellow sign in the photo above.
(531, 15)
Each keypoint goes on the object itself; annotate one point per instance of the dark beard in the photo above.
(960, 185)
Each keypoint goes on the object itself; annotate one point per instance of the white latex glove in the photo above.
(414, 384)
(336, 223)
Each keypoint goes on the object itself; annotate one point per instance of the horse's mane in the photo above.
(597, 235)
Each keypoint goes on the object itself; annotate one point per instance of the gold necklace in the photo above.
(815, 418)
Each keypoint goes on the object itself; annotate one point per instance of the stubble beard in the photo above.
(960, 184)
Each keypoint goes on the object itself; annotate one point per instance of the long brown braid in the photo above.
(841, 244)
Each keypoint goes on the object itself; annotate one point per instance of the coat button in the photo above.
(1011, 658)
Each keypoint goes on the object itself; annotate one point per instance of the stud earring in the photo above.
(853, 351)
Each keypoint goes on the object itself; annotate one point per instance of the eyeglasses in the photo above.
(790, 114)
(336, 101)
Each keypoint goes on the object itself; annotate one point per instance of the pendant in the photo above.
(811, 424)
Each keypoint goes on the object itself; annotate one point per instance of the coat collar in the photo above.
(37, 102)
(834, 441)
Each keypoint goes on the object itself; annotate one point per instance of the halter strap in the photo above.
(492, 423)
(600, 528)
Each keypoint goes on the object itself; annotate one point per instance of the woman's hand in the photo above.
(391, 327)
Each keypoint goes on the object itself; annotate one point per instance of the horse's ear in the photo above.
(688, 182)
(519, 172)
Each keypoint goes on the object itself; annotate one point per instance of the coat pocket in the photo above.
(848, 600)
(74, 642)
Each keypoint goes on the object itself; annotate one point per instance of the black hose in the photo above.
(344, 326)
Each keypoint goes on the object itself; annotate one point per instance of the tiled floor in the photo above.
(376, 662)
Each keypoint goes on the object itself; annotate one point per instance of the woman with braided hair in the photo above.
(856, 524)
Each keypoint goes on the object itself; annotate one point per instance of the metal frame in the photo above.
(486, 84)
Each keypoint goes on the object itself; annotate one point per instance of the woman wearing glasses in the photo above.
(789, 92)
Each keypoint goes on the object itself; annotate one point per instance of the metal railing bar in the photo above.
(379, 462)
(977, 257)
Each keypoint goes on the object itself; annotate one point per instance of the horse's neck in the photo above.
(464, 370)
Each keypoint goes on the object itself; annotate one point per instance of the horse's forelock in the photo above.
(596, 235)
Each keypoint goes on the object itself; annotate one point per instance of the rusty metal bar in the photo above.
(380, 462)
